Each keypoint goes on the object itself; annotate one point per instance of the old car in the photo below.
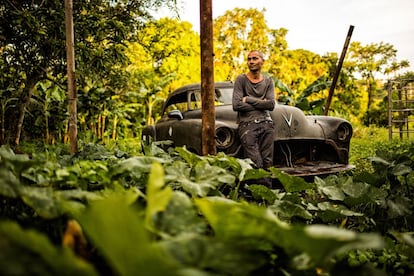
(304, 145)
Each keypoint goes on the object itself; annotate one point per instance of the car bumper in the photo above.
(316, 168)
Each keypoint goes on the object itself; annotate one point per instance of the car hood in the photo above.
(290, 122)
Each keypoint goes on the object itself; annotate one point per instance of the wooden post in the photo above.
(338, 70)
(390, 110)
(207, 79)
(72, 93)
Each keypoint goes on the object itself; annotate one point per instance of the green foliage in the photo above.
(364, 142)
(33, 51)
(236, 33)
(370, 60)
(177, 213)
(129, 251)
(164, 57)
(310, 100)
(127, 63)
(27, 252)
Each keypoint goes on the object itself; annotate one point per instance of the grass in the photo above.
(367, 141)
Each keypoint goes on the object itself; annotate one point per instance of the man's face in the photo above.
(254, 61)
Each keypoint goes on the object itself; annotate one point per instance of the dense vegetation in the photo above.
(176, 213)
(113, 209)
(127, 62)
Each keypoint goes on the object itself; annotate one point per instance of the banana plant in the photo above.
(302, 99)
(48, 96)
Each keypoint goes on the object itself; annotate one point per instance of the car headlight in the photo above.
(344, 132)
(224, 137)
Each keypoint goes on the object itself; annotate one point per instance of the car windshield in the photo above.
(223, 96)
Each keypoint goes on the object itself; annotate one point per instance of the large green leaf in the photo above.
(181, 176)
(205, 173)
(134, 171)
(256, 174)
(231, 220)
(400, 207)
(136, 166)
(73, 202)
(329, 212)
(191, 158)
(16, 163)
(330, 189)
(50, 204)
(199, 180)
(158, 194)
(117, 231)
(287, 209)
(361, 192)
(10, 186)
(262, 192)
(27, 252)
(236, 166)
(175, 171)
(318, 85)
(179, 218)
(354, 189)
(291, 183)
(219, 257)
(43, 201)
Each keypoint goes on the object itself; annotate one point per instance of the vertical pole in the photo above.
(207, 79)
(72, 93)
(406, 114)
(338, 70)
(390, 110)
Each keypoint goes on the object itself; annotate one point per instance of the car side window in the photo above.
(217, 97)
(178, 106)
(194, 100)
(224, 96)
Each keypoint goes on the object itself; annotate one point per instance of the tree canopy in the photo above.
(127, 62)
(32, 43)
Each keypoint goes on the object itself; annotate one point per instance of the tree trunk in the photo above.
(114, 127)
(98, 127)
(72, 92)
(103, 118)
(66, 134)
(47, 133)
(3, 128)
(150, 103)
(27, 92)
(372, 89)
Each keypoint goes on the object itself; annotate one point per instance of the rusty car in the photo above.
(304, 145)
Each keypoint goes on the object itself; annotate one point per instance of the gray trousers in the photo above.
(257, 140)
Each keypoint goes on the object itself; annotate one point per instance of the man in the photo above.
(253, 99)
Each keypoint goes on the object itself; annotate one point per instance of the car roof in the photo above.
(180, 95)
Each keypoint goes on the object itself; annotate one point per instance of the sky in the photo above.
(321, 26)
